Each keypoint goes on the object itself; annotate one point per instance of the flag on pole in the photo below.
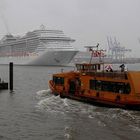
(98, 53)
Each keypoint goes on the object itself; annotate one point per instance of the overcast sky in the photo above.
(86, 21)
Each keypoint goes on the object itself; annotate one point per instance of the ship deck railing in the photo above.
(112, 75)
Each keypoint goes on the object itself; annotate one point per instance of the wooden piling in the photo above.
(11, 75)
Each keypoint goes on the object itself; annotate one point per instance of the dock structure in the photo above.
(3, 84)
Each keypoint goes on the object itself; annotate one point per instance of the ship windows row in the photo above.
(116, 87)
(58, 80)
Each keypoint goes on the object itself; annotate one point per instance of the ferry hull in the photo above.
(99, 102)
(94, 100)
(47, 58)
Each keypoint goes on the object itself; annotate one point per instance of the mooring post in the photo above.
(11, 75)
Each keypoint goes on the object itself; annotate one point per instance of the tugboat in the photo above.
(98, 83)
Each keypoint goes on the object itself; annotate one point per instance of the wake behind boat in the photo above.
(39, 47)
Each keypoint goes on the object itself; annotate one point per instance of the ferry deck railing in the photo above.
(112, 75)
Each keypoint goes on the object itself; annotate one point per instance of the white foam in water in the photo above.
(91, 117)
(101, 124)
(135, 128)
(56, 104)
(43, 93)
(65, 102)
(67, 136)
(53, 104)
(67, 133)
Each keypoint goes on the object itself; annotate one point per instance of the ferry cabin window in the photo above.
(116, 87)
(80, 67)
(92, 84)
(58, 80)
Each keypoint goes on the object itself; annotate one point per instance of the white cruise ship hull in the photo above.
(41, 47)
(47, 58)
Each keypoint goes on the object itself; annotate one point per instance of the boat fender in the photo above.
(118, 98)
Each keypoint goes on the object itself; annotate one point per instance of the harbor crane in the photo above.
(115, 50)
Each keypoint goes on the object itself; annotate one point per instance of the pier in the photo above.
(3, 84)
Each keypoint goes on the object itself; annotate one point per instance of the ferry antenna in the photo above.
(91, 47)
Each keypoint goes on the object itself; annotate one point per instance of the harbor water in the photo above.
(30, 112)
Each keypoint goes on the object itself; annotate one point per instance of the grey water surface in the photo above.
(30, 112)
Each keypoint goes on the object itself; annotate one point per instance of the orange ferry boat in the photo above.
(93, 84)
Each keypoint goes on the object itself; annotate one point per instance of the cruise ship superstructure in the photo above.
(39, 47)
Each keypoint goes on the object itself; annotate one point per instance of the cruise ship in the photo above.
(39, 47)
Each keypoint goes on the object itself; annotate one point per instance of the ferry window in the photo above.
(92, 67)
(95, 67)
(78, 67)
(105, 86)
(82, 67)
(120, 87)
(116, 87)
(98, 85)
(123, 88)
(92, 84)
(99, 66)
(58, 80)
(95, 84)
(127, 88)
(85, 67)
